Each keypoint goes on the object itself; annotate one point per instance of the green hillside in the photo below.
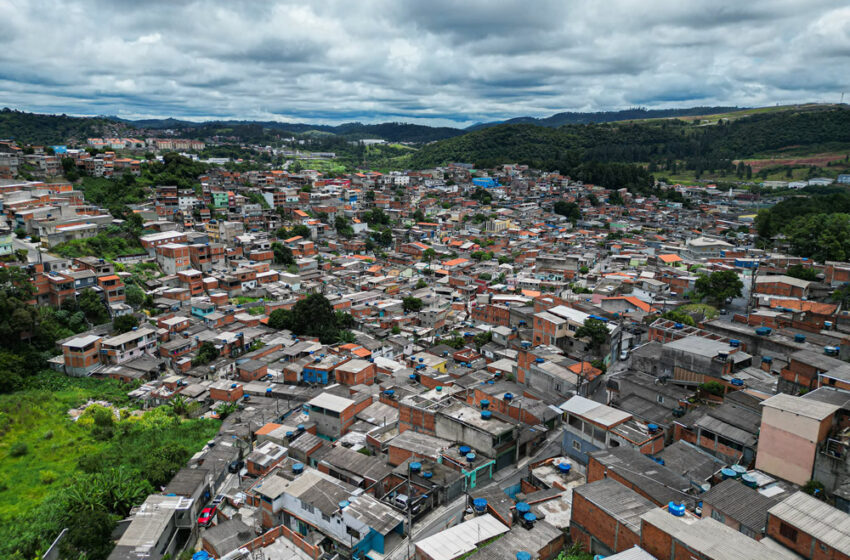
(663, 145)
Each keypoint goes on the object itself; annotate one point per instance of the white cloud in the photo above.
(439, 62)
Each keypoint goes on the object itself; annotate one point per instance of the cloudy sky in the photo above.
(428, 61)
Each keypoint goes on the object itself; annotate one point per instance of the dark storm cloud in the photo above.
(437, 62)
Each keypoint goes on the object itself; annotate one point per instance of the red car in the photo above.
(207, 515)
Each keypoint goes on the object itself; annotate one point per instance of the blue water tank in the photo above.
(389, 392)
(344, 504)
(486, 414)
(749, 480)
(480, 505)
(470, 457)
(427, 474)
(678, 326)
(290, 433)
(523, 555)
(412, 376)
(539, 360)
(740, 470)
(298, 468)
(766, 359)
(763, 331)
(415, 466)
(204, 555)
(522, 508)
(799, 338)
(508, 397)
(529, 517)
(734, 343)
(564, 468)
(464, 449)
(652, 428)
(485, 403)
(737, 382)
(676, 509)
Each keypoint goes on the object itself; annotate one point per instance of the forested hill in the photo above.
(560, 119)
(35, 128)
(259, 131)
(643, 142)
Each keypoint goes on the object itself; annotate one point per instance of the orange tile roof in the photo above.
(361, 352)
(455, 262)
(670, 258)
(268, 428)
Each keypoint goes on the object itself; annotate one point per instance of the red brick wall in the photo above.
(601, 525)
(803, 544)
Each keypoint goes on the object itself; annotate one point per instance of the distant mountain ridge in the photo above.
(636, 113)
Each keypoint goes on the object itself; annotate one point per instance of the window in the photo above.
(576, 445)
(575, 422)
(717, 516)
(788, 531)
(308, 507)
(659, 399)
(822, 547)
(325, 517)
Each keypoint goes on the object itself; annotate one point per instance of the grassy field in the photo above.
(42, 448)
(38, 419)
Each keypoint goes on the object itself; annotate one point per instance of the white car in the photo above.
(624, 355)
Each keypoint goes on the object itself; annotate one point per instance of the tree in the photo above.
(135, 295)
(282, 254)
(91, 304)
(124, 323)
(802, 272)
(311, 316)
(568, 209)
(342, 226)
(376, 216)
(596, 331)
(718, 286)
(418, 216)
(411, 303)
(345, 337)
(421, 283)
(207, 352)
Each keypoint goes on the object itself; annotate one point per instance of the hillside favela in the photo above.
(424, 280)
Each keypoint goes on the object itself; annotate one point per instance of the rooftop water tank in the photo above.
(749, 480)
(678, 326)
(344, 504)
(521, 555)
(740, 470)
(486, 414)
(470, 457)
(480, 505)
(508, 397)
(830, 350)
(464, 449)
(766, 359)
(298, 468)
(438, 388)
(764, 331)
(485, 403)
(676, 509)
(727, 473)
(290, 433)
(529, 519)
(652, 428)
(390, 392)
(539, 360)
(734, 343)
(522, 508)
(415, 466)
(737, 382)
(564, 468)
(799, 338)
(427, 474)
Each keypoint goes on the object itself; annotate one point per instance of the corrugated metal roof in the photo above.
(810, 515)
(460, 539)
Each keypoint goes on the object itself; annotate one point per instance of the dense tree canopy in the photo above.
(312, 316)
(718, 286)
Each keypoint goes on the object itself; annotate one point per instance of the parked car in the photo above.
(207, 515)
(723, 311)
(235, 466)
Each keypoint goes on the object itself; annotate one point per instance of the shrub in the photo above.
(19, 449)
(48, 477)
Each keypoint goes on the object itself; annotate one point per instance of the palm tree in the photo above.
(345, 337)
